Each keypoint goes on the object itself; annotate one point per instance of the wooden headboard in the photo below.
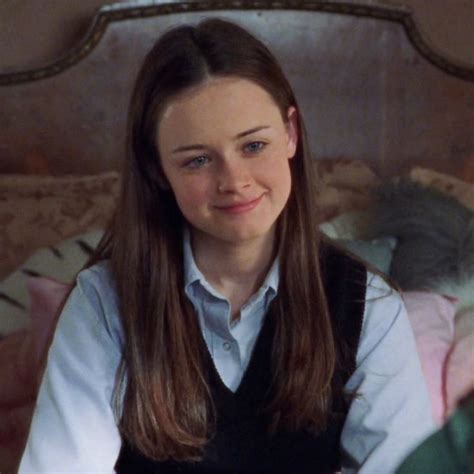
(369, 85)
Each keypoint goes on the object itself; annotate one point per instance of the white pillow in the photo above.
(349, 225)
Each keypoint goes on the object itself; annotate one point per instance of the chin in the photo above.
(237, 234)
(246, 233)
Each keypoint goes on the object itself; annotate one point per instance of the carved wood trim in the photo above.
(149, 8)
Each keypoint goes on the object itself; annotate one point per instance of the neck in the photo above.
(234, 269)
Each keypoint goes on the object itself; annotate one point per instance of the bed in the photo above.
(391, 124)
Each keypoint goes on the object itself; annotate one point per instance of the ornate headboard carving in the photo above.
(369, 85)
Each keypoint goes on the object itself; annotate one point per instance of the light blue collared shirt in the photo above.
(230, 343)
(74, 429)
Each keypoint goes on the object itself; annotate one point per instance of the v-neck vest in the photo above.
(241, 443)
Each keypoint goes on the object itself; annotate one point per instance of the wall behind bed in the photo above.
(390, 106)
(31, 36)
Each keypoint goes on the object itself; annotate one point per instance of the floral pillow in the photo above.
(38, 211)
(343, 185)
(457, 188)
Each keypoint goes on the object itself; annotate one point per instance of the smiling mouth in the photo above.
(240, 208)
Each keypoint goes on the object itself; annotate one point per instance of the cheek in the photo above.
(190, 194)
(285, 185)
(281, 181)
(276, 173)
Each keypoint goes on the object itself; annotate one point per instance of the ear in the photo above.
(292, 131)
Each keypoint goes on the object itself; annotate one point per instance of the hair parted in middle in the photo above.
(167, 410)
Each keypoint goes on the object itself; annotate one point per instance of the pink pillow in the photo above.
(17, 369)
(17, 395)
(460, 363)
(21, 351)
(20, 367)
(14, 427)
(46, 297)
(432, 319)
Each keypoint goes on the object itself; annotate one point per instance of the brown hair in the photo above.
(167, 409)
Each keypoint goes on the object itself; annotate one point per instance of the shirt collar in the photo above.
(192, 273)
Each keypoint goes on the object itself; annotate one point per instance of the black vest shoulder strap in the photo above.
(345, 282)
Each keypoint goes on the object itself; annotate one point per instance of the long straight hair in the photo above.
(163, 398)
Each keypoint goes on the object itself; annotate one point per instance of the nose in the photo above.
(233, 176)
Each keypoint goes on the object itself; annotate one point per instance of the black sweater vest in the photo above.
(241, 443)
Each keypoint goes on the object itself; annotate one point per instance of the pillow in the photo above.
(345, 172)
(378, 252)
(432, 319)
(349, 230)
(60, 263)
(40, 211)
(462, 289)
(460, 363)
(348, 225)
(46, 296)
(21, 357)
(460, 371)
(464, 325)
(457, 188)
(17, 369)
(342, 185)
(14, 427)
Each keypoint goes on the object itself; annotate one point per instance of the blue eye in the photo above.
(254, 147)
(197, 162)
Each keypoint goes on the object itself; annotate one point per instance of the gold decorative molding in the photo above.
(149, 8)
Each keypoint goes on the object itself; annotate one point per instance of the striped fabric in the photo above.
(60, 263)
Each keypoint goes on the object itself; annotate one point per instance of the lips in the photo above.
(241, 207)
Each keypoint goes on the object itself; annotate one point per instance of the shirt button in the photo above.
(226, 346)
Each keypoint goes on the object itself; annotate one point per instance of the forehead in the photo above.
(220, 105)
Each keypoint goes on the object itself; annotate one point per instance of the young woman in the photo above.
(215, 331)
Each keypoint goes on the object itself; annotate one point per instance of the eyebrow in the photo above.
(199, 146)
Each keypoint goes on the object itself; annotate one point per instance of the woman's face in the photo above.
(225, 153)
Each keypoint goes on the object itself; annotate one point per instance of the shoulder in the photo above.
(353, 290)
(385, 320)
(383, 303)
(391, 412)
(99, 275)
(95, 294)
(97, 282)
